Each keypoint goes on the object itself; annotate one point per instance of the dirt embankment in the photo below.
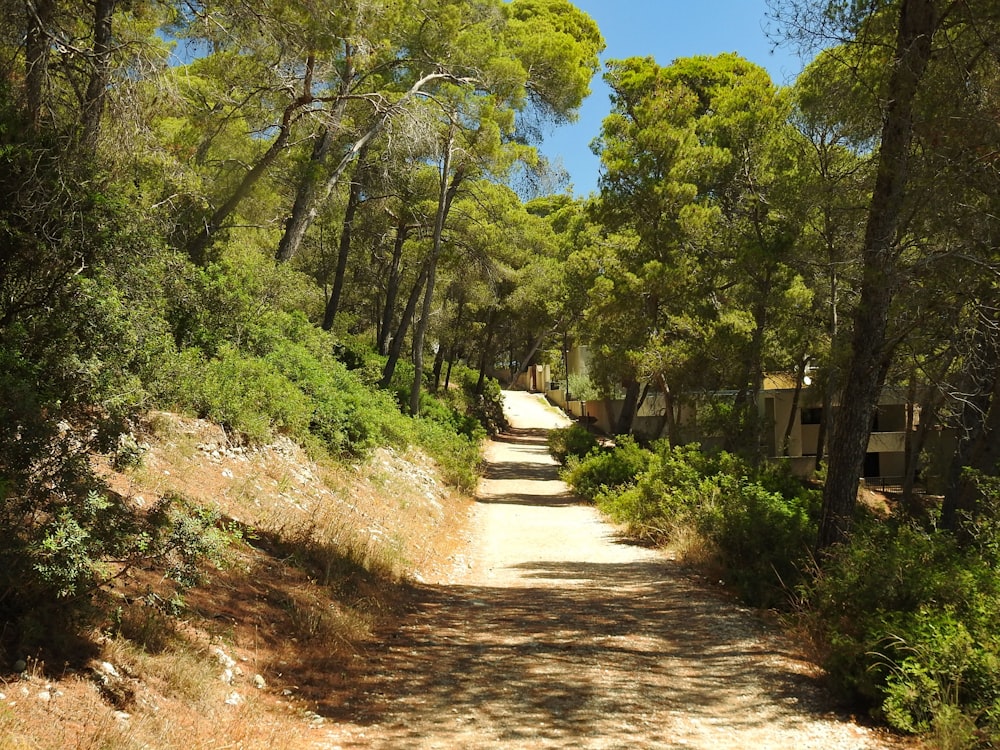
(553, 633)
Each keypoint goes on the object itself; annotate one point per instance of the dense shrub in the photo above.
(910, 624)
(606, 470)
(570, 441)
(458, 456)
(763, 537)
(486, 406)
(758, 521)
(347, 416)
(64, 533)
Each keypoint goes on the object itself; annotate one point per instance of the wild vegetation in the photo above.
(332, 224)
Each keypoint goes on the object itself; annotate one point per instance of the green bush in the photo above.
(65, 535)
(448, 415)
(458, 457)
(570, 441)
(486, 407)
(910, 623)
(763, 537)
(602, 471)
(349, 417)
(759, 521)
(665, 496)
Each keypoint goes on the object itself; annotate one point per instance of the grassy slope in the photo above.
(325, 556)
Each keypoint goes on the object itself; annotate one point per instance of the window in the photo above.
(813, 415)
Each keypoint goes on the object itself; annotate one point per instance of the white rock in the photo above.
(227, 473)
(258, 682)
(109, 669)
(227, 676)
(234, 699)
(44, 696)
(122, 715)
(224, 659)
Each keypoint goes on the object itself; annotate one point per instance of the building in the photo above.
(884, 461)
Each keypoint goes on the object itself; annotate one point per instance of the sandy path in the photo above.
(556, 635)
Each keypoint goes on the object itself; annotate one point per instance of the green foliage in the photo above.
(760, 522)
(459, 457)
(65, 536)
(607, 470)
(574, 440)
(247, 395)
(487, 406)
(763, 535)
(909, 620)
(581, 388)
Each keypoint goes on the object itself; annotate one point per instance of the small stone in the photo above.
(45, 696)
(122, 715)
(109, 669)
(227, 676)
(224, 659)
(227, 473)
(234, 699)
(258, 682)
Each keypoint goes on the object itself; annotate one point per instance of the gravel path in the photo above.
(555, 634)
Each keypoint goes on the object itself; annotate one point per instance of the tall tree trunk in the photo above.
(37, 44)
(446, 195)
(928, 420)
(396, 343)
(666, 422)
(800, 375)
(826, 414)
(535, 346)
(487, 350)
(392, 285)
(747, 437)
(917, 24)
(447, 373)
(447, 353)
(438, 365)
(100, 76)
(305, 195)
(317, 192)
(344, 248)
(199, 244)
(623, 425)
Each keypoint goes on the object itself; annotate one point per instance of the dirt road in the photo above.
(555, 634)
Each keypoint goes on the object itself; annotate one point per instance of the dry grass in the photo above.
(326, 553)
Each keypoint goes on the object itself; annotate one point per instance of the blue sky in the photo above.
(665, 29)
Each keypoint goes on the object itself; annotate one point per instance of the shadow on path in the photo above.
(588, 650)
(578, 642)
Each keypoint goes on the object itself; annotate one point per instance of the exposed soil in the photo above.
(552, 632)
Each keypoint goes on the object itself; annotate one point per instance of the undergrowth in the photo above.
(757, 521)
(905, 617)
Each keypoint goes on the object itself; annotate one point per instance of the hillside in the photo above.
(317, 555)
